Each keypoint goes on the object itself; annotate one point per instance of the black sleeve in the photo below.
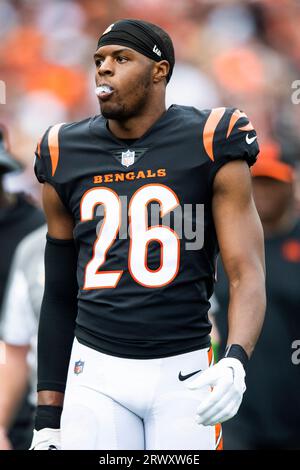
(234, 139)
(58, 314)
(47, 163)
(41, 161)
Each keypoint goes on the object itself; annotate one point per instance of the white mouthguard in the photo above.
(103, 89)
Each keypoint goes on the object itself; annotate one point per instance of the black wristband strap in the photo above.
(47, 417)
(238, 352)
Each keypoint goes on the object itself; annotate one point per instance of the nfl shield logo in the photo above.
(78, 368)
(128, 158)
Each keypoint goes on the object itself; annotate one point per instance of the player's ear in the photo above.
(160, 71)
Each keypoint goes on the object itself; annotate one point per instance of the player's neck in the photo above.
(137, 126)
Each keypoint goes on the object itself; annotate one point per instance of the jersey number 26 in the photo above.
(140, 236)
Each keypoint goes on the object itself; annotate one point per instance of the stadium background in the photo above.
(228, 53)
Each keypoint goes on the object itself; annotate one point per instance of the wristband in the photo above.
(47, 417)
(238, 352)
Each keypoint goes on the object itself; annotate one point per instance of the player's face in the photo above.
(272, 197)
(126, 77)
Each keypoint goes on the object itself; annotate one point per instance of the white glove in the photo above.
(227, 378)
(46, 439)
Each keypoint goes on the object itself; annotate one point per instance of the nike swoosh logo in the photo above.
(184, 377)
(249, 140)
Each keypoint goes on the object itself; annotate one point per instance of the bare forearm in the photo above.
(246, 309)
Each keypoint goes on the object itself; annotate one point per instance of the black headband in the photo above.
(139, 36)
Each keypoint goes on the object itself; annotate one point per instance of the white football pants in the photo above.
(114, 403)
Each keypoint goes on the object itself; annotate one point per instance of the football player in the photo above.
(140, 373)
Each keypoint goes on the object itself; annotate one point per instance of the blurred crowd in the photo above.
(237, 53)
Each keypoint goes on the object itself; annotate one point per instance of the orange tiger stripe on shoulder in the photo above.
(53, 145)
(236, 115)
(213, 120)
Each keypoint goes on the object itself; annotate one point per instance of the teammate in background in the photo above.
(19, 324)
(270, 414)
(18, 217)
(140, 320)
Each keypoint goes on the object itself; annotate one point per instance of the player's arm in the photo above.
(58, 314)
(240, 239)
(12, 387)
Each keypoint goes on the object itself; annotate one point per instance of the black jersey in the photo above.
(143, 224)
